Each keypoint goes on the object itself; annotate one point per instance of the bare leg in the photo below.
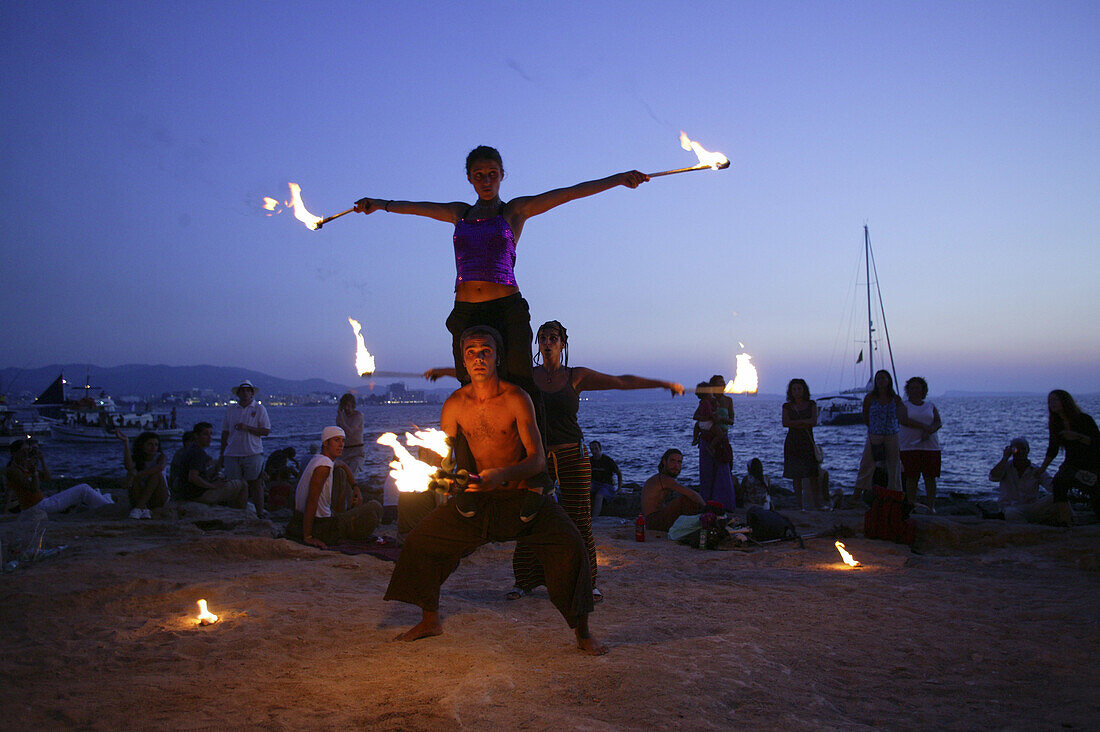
(585, 640)
(930, 489)
(810, 486)
(597, 504)
(429, 625)
(256, 495)
(911, 487)
(799, 484)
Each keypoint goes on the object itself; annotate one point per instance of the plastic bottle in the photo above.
(703, 538)
(639, 528)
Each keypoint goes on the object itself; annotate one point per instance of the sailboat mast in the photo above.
(870, 339)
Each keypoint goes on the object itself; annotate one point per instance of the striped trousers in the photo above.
(570, 467)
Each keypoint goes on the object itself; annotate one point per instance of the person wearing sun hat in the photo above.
(242, 448)
(316, 520)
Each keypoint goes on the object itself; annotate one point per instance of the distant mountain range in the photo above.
(144, 380)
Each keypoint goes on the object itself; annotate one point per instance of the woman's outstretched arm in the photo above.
(585, 379)
(520, 209)
(448, 212)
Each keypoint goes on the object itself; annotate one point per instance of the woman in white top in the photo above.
(920, 447)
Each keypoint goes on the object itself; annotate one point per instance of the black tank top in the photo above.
(561, 414)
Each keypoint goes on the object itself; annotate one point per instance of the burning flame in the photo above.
(364, 362)
(715, 160)
(848, 558)
(412, 475)
(745, 380)
(295, 202)
(205, 616)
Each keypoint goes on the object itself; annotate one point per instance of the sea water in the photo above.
(636, 433)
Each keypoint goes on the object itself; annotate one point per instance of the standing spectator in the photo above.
(1075, 432)
(603, 470)
(715, 453)
(800, 462)
(880, 412)
(723, 404)
(146, 485)
(242, 447)
(918, 442)
(317, 519)
(350, 420)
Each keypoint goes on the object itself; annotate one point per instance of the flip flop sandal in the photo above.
(517, 592)
(597, 596)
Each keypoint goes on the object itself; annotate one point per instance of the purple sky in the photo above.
(138, 140)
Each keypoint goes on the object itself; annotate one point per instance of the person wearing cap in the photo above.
(316, 520)
(242, 448)
(1019, 481)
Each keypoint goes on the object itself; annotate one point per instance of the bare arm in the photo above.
(689, 493)
(316, 483)
(998, 471)
(439, 373)
(585, 379)
(127, 460)
(520, 209)
(447, 212)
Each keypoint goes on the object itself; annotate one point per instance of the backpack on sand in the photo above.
(888, 517)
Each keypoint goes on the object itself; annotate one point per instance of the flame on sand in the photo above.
(205, 616)
(412, 475)
(848, 558)
(745, 381)
(300, 211)
(364, 362)
(714, 160)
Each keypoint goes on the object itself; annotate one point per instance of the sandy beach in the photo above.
(990, 626)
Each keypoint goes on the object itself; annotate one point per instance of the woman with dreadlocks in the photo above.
(566, 455)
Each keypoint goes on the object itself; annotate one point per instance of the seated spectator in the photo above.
(317, 520)
(27, 471)
(145, 483)
(660, 512)
(174, 478)
(198, 475)
(277, 469)
(1018, 486)
(755, 487)
(603, 469)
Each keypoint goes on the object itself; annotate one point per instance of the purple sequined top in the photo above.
(485, 251)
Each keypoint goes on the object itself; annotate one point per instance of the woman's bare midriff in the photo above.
(478, 291)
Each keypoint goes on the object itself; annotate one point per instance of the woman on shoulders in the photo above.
(1072, 430)
(485, 238)
(880, 411)
(799, 456)
(146, 484)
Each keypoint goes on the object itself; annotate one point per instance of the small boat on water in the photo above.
(97, 418)
(12, 425)
(845, 407)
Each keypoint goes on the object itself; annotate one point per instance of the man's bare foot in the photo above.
(590, 645)
(426, 628)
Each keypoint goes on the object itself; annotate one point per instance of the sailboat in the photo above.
(92, 418)
(846, 406)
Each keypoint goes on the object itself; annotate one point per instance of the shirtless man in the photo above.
(497, 420)
(659, 515)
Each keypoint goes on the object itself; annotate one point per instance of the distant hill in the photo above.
(146, 380)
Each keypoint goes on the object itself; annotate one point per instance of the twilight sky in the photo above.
(139, 138)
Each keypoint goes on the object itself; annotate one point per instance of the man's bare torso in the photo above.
(489, 426)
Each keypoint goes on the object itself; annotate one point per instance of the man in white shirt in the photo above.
(318, 520)
(242, 446)
(1019, 482)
